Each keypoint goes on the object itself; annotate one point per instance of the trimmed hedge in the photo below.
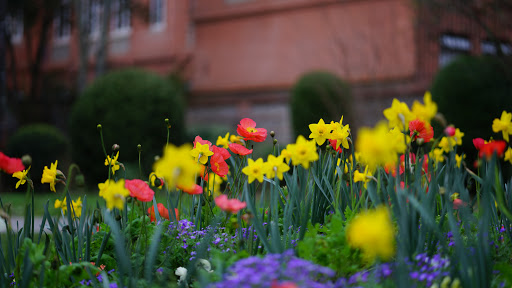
(45, 144)
(471, 92)
(131, 106)
(318, 95)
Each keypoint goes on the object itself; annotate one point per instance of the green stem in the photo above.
(501, 197)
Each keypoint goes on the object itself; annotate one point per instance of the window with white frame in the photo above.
(62, 22)
(120, 17)
(14, 27)
(453, 46)
(490, 47)
(157, 13)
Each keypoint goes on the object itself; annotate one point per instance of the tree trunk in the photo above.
(3, 90)
(35, 69)
(102, 48)
(83, 44)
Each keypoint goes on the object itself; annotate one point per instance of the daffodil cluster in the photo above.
(274, 167)
(334, 131)
(76, 206)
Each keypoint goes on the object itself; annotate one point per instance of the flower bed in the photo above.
(398, 207)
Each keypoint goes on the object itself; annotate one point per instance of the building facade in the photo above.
(241, 57)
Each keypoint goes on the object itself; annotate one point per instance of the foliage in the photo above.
(470, 92)
(43, 143)
(318, 95)
(131, 105)
(391, 211)
(327, 246)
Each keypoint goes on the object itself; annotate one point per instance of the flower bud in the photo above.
(272, 134)
(275, 141)
(99, 127)
(80, 180)
(115, 147)
(139, 147)
(167, 123)
(26, 160)
(449, 131)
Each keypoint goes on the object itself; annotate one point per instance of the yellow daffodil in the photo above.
(437, 155)
(397, 140)
(22, 176)
(223, 141)
(50, 175)
(275, 166)
(458, 137)
(112, 162)
(426, 111)
(177, 167)
(114, 193)
(364, 177)
(214, 185)
(303, 152)
(77, 206)
(201, 153)
(374, 147)
(236, 139)
(287, 155)
(340, 133)
(503, 125)
(320, 132)
(447, 144)
(508, 155)
(373, 233)
(254, 170)
(459, 158)
(398, 115)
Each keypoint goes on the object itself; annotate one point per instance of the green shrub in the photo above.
(45, 144)
(131, 106)
(470, 92)
(319, 95)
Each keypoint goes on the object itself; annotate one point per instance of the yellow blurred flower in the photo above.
(303, 152)
(236, 139)
(447, 144)
(377, 146)
(254, 170)
(503, 125)
(426, 111)
(458, 136)
(398, 115)
(177, 167)
(50, 175)
(223, 141)
(114, 193)
(437, 155)
(459, 158)
(77, 206)
(201, 153)
(22, 176)
(508, 155)
(373, 233)
(364, 177)
(112, 162)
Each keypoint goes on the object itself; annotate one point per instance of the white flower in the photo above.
(205, 265)
(182, 273)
